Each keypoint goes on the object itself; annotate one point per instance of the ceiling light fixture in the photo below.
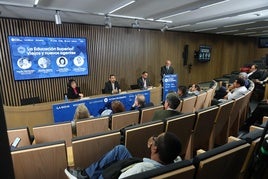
(35, 3)
(180, 26)
(233, 25)
(245, 33)
(254, 28)
(213, 20)
(121, 7)
(180, 13)
(164, 28)
(126, 17)
(136, 24)
(160, 20)
(200, 30)
(57, 17)
(214, 4)
(227, 31)
(107, 22)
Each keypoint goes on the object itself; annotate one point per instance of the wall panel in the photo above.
(125, 52)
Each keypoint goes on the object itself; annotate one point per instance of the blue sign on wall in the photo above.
(45, 57)
(65, 111)
(170, 84)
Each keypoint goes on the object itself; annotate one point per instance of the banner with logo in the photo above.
(170, 84)
(65, 111)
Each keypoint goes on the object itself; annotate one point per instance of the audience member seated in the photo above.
(171, 103)
(254, 73)
(182, 92)
(119, 163)
(244, 76)
(236, 90)
(194, 90)
(73, 91)
(116, 107)
(140, 103)
(221, 92)
(112, 86)
(257, 115)
(81, 112)
(144, 82)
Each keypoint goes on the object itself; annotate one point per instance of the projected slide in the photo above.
(45, 57)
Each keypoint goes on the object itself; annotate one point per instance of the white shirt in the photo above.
(238, 92)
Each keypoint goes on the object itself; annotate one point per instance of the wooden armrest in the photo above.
(264, 119)
(232, 138)
(253, 128)
(200, 151)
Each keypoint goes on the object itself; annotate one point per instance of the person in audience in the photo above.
(73, 91)
(182, 92)
(167, 69)
(140, 103)
(254, 73)
(144, 82)
(257, 115)
(194, 90)
(165, 149)
(116, 107)
(244, 76)
(236, 90)
(81, 112)
(171, 103)
(221, 92)
(112, 86)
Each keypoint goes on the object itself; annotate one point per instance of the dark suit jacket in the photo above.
(109, 88)
(256, 75)
(164, 71)
(162, 114)
(71, 94)
(140, 82)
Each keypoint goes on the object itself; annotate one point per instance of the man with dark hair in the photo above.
(112, 86)
(165, 148)
(143, 82)
(171, 103)
(254, 73)
(237, 90)
(182, 92)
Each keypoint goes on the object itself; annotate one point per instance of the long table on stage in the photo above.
(42, 114)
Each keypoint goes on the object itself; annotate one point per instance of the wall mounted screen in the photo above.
(47, 57)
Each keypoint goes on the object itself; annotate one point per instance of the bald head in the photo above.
(168, 63)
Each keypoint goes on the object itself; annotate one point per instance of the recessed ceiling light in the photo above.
(254, 28)
(245, 33)
(207, 29)
(121, 7)
(180, 26)
(227, 31)
(233, 25)
(176, 14)
(214, 4)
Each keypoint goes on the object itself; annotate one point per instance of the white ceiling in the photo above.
(230, 17)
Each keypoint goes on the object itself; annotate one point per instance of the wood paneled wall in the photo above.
(125, 52)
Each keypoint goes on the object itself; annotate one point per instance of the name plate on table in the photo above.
(65, 111)
(170, 84)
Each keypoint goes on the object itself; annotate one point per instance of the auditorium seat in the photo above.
(90, 148)
(209, 97)
(245, 109)
(200, 100)
(47, 160)
(54, 132)
(92, 126)
(203, 127)
(220, 127)
(188, 104)
(23, 133)
(136, 137)
(234, 120)
(180, 170)
(181, 126)
(180, 106)
(222, 162)
(147, 113)
(121, 120)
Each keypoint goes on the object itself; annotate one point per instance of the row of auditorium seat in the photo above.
(48, 160)
(213, 122)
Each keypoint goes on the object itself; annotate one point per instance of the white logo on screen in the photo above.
(79, 61)
(105, 100)
(44, 62)
(24, 63)
(21, 49)
(62, 61)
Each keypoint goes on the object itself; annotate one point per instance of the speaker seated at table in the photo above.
(112, 86)
(73, 91)
(144, 82)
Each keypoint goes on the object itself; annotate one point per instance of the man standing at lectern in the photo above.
(167, 69)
